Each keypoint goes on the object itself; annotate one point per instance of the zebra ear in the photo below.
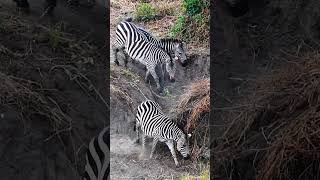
(184, 45)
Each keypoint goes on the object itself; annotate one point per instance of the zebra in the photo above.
(97, 157)
(145, 52)
(168, 44)
(154, 123)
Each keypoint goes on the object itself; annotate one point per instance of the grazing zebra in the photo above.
(145, 52)
(154, 123)
(97, 157)
(169, 45)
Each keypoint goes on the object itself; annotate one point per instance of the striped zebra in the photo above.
(97, 157)
(175, 46)
(170, 45)
(145, 52)
(154, 123)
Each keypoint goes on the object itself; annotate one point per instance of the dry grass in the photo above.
(27, 96)
(196, 100)
(192, 113)
(281, 121)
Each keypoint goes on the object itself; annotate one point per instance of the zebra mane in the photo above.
(173, 40)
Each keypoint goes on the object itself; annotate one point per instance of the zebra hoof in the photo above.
(178, 165)
(142, 157)
(137, 141)
(117, 63)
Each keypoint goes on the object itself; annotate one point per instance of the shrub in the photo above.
(193, 7)
(194, 25)
(145, 12)
(179, 27)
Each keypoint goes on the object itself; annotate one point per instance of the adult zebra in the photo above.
(175, 46)
(97, 157)
(129, 38)
(154, 123)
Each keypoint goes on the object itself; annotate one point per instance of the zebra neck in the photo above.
(178, 134)
(166, 44)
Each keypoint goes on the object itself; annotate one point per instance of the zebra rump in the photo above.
(97, 157)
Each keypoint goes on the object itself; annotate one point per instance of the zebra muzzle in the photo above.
(172, 79)
(186, 158)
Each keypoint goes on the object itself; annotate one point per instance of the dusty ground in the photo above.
(126, 85)
(33, 145)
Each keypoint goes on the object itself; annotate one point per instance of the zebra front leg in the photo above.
(154, 143)
(146, 78)
(173, 152)
(156, 79)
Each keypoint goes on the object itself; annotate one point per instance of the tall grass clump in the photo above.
(145, 12)
(193, 24)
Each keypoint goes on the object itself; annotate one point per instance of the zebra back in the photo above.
(97, 157)
(150, 115)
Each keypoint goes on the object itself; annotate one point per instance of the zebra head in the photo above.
(183, 146)
(180, 53)
(171, 68)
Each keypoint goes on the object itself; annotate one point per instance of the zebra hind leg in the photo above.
(154, 143)
(173, 152)
(142, 155)
(115, 52)
(136, 128)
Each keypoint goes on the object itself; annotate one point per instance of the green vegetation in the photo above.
(193, 25)
(55, 34)
(145, 12)
(178, 30)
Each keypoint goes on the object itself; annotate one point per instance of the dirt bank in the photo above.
(128, 90)
(53, 98)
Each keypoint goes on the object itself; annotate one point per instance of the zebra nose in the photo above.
(172, 79)
(184, 64)
(186, 158)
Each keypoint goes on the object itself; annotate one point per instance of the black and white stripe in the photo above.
(129, 39)
(97, 157)
(154, 123)
(175, 46)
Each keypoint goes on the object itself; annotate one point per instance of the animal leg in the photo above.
(147, 74)
(154, 143)
(137, 133)
(173, 152)
(156, 78)
(143, 146)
